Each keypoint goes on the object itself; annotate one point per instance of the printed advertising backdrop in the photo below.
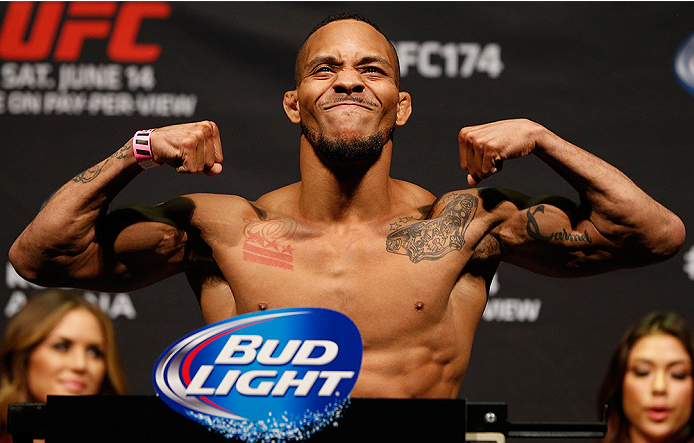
(78, 78)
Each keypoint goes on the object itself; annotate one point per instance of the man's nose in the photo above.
(348, 81)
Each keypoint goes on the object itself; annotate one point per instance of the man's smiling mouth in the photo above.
(360, 103)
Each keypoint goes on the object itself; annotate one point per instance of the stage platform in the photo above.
(135, 419)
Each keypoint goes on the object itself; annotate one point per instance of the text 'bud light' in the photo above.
(275, 375)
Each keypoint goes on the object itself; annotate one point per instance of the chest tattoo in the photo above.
(268, 243)
(432, 239)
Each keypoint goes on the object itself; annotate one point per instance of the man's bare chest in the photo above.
(401, 254)
(279, 264)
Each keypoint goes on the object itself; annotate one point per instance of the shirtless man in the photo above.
(410, 269)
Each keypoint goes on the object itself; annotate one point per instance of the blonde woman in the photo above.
(58, 344)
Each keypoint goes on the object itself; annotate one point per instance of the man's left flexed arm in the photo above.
(621, 211)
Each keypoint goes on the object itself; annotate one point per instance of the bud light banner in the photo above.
(276, 375)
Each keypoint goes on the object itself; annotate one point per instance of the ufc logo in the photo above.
(120, 24)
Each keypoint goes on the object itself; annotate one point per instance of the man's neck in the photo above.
(344, 193)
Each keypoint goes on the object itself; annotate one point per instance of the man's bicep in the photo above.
(554, 239)
(143, 243)
(550, 235)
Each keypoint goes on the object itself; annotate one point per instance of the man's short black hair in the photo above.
(334, 18)
(343, 16)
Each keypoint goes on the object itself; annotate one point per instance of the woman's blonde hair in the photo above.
(30, 326)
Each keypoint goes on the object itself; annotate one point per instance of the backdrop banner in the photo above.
(78, 78)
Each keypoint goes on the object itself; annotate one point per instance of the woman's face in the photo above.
(70, 360)
(657, 388)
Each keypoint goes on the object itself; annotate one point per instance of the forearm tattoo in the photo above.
(533, 229)
(93, 172)
(434, 238)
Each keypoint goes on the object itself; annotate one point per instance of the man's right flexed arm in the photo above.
(73, 243)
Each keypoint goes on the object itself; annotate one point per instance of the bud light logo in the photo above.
(684, 64)
(278, 375)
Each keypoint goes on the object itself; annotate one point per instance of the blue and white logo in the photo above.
(684, 64)
(278, 375)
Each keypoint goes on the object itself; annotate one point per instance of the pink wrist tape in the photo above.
(143, 150)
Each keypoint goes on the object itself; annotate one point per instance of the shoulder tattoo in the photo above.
(432, 239)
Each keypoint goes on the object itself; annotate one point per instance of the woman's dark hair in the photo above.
(610, 394)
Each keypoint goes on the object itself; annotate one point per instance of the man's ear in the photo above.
(291, 106)
(404, 108)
